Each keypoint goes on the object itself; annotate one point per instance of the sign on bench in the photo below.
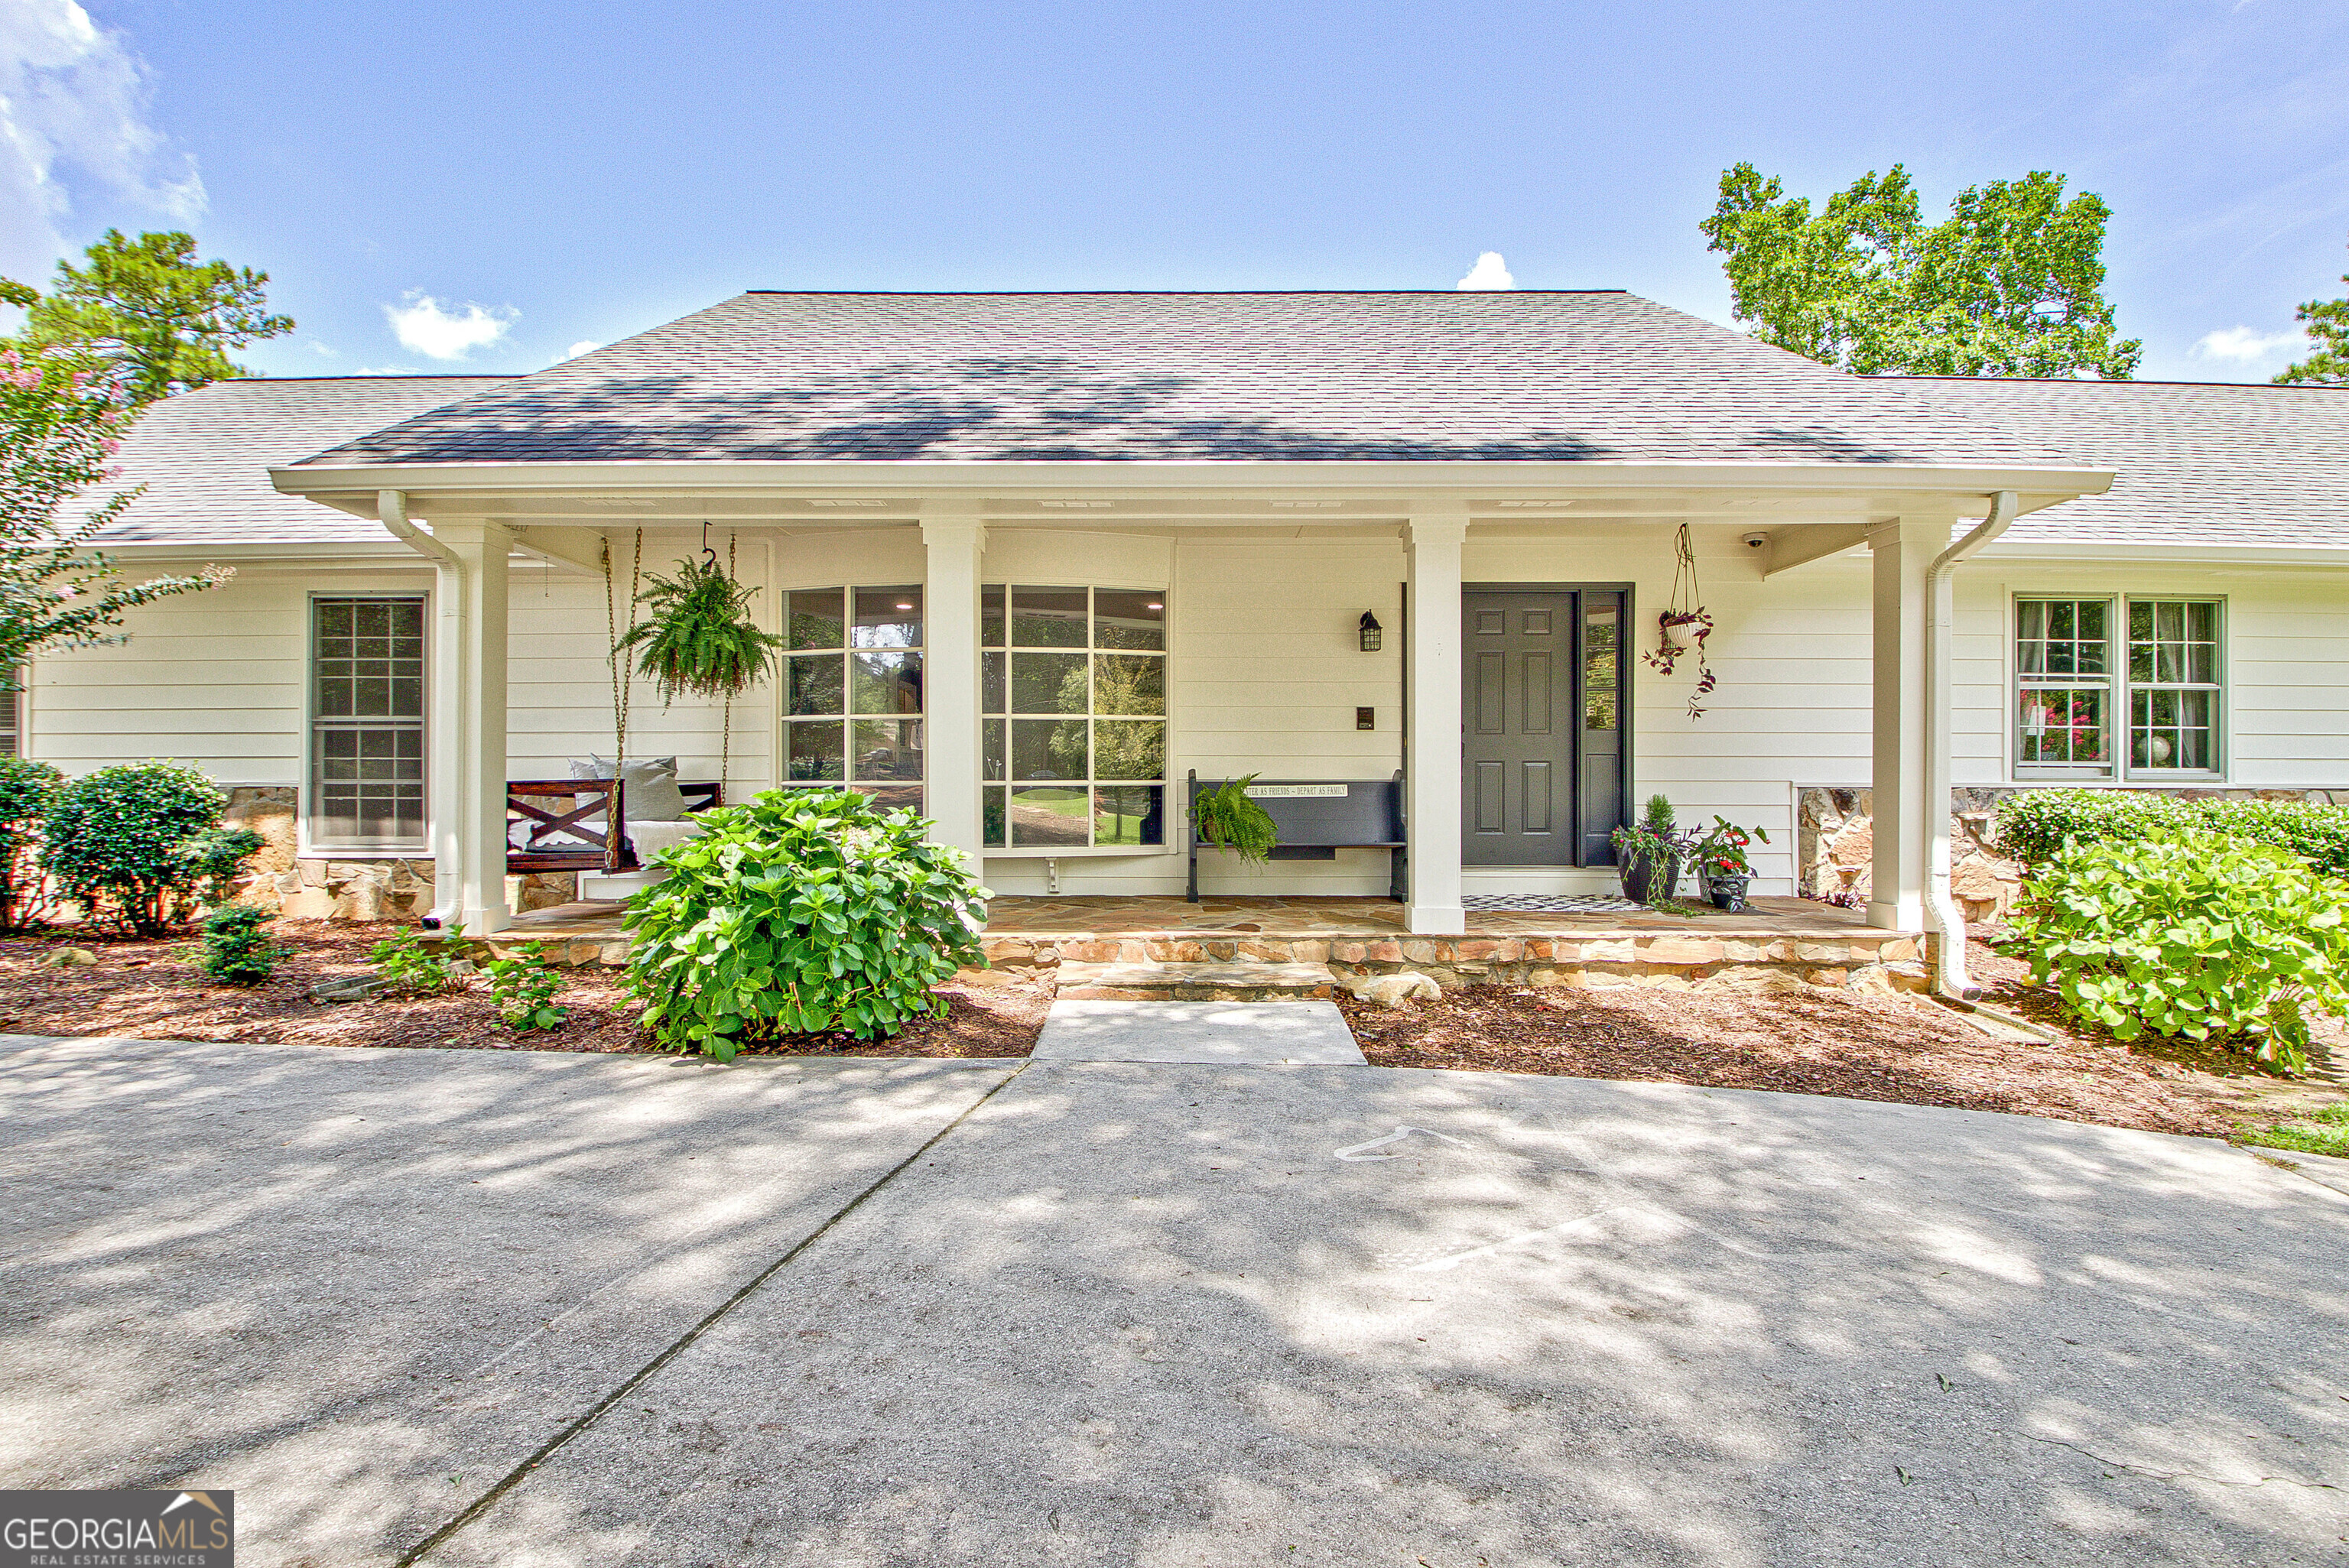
(1314, 818)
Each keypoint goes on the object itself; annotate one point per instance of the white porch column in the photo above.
(1901, 551)
(1432, 542)
(953, 539)
(469, 730)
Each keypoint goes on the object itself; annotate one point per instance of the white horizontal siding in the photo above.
(1264, 668)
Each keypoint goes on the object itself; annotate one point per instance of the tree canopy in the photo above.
(60, 426)
(2010, 283)
(146, 314)
(2326, 322)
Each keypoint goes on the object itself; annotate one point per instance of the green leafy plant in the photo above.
(237, 951)
(27, 788)
(1650, 854)
(2034, 824)
(410, 964)
(523, 987)
(1721, 852)
(2188, 935)
(139, 847)
(699, 638)
(1230, 818)
(802, 910)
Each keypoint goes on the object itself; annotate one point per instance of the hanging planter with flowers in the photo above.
(1684, 625)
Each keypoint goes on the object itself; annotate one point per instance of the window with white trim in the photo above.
(366, 723)
(1072, 686)
(12, 717)
(2110, 688)
(853, 692)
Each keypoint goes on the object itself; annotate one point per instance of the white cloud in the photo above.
(2248, 346)
(1489, 273)
(74, 97)
(422, 325)
(580, 347)
(318, 348)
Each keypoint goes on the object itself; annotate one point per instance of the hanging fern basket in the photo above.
(698, 639)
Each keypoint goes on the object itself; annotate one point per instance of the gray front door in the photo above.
(1541, 726)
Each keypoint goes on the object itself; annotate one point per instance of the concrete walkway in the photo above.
(1232, 1034)
(842, 1313)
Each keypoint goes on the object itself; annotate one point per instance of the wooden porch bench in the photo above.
(1338, 814)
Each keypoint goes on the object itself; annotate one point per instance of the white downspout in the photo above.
(447, 734)
(1941, 913)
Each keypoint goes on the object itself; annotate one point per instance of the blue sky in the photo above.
(550, 175)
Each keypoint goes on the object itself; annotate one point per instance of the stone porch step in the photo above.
(1233, 981)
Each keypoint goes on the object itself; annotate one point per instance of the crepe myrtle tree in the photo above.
(60, 426)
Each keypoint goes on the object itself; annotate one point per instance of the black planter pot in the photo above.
(1728, 893)
(1648, 877)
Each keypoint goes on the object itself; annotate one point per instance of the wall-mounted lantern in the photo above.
(1374, 636)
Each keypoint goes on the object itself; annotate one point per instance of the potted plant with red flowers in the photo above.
(1720, 861)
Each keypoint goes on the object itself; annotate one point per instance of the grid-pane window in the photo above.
(11, 715)
(367, 704)
(853, 692)
(1072, 685)
(2173, 676)
(2106, 686)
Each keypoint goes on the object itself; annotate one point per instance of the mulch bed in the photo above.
(1897, 1048)
(1902, 1049)
(153, 990)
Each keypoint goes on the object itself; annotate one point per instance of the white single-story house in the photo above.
(1043, 557)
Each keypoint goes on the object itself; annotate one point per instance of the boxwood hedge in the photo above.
(2033, 824)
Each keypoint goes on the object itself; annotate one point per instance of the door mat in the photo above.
(1551, 903)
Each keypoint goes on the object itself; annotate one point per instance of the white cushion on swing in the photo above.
(649, 792)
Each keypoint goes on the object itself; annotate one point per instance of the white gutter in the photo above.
(1942, 912)
(446, 738)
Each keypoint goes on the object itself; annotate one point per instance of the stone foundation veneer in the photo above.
(349, 887)
(1835, 839)
(1865, 961)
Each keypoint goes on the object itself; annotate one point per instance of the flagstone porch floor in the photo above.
(1780, 942)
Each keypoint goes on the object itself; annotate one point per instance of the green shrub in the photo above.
(139, 847)
(237, 952)
(410, 964)
(2317, 834)
(2184, 933)
(804, 911)
(523, 988)
(2034, 823)
(27, 790)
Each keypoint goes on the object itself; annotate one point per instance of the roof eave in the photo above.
(1466, 478)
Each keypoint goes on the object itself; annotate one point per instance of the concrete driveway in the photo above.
(598, 1310)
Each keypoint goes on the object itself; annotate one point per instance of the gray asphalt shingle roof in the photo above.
(2195, 464)
(1216, 378)
(205, 456)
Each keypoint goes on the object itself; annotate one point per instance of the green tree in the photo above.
(147, 314)
(2010, 283)
(2327, 323)
(60, 425)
